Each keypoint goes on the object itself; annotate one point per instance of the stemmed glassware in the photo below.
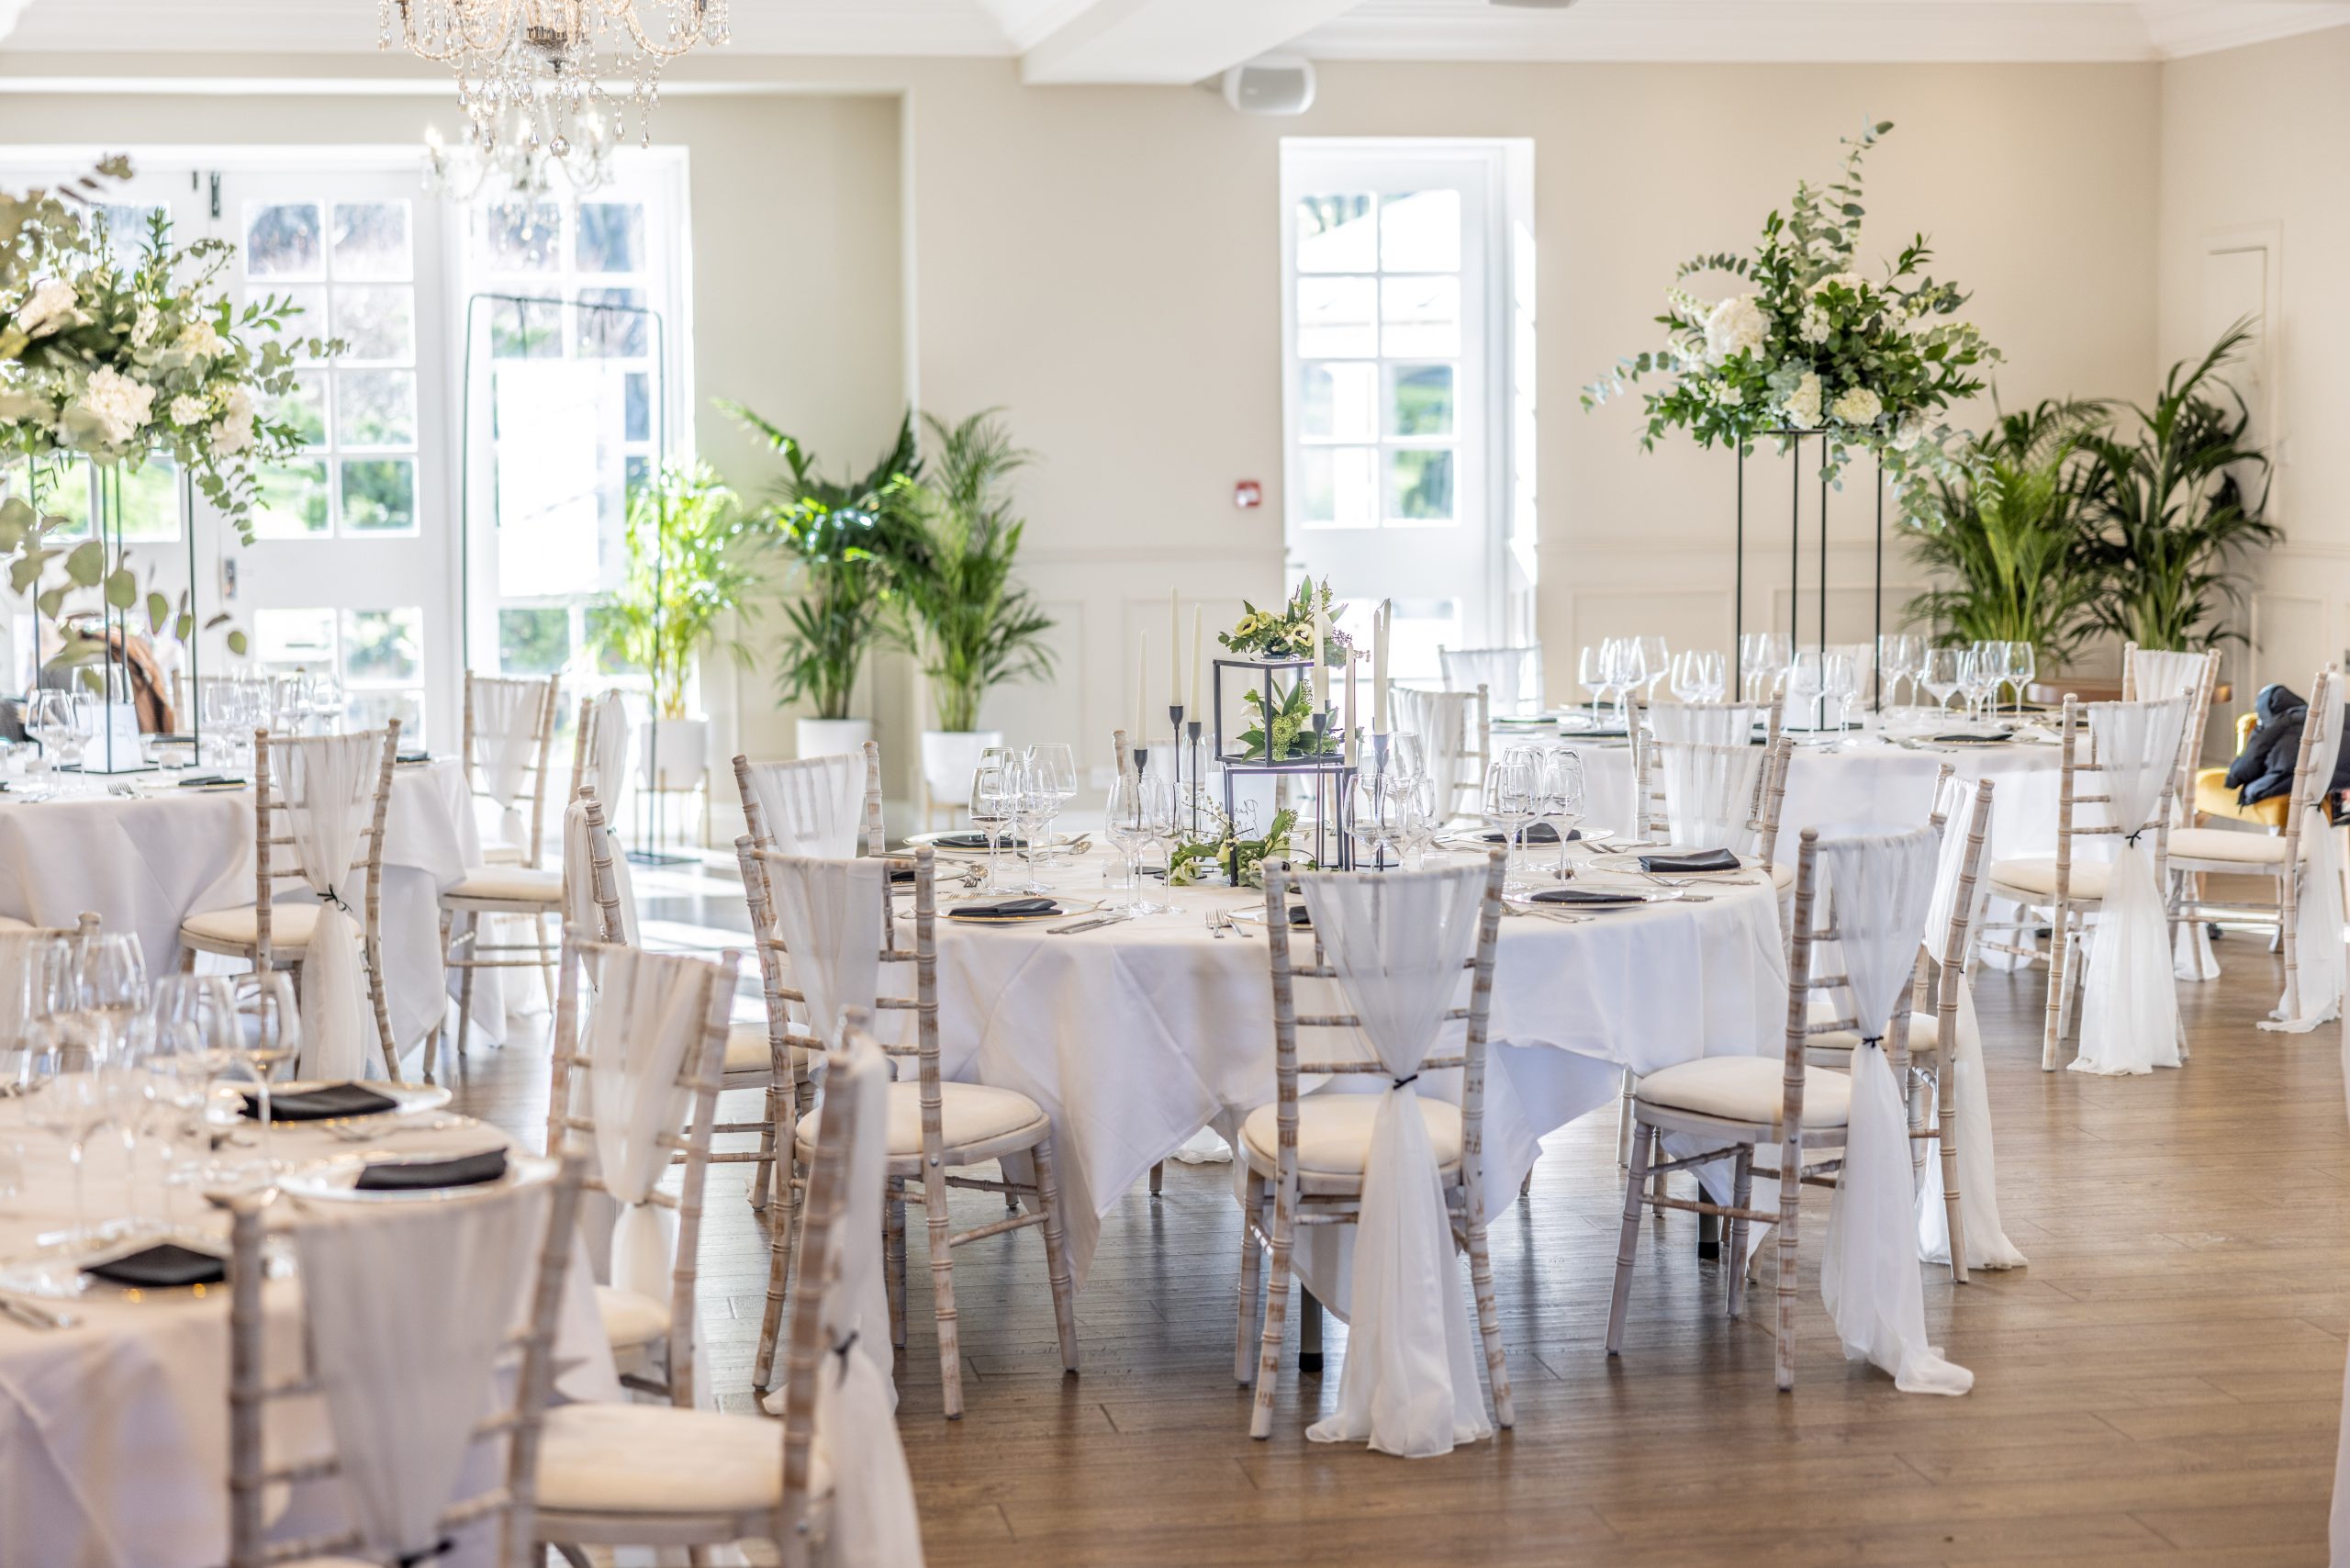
(1562, 794)
(1141, 812)
(1592, 670)
(1840, 683)
(1656, 662)
(1942, 672)
(1513, 795)
(1053, 769)
(2023, 668)
(113, 983)
(1898, 654)
(1699, 677)
(1381, 811)
(62, 1094)
(994, 795)
(1763, 659)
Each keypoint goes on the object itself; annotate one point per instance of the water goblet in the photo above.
(1942, 672)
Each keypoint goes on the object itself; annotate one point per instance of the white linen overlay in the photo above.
(608, 752)
(506, 719)
(814, 806)
(2129, 1010)
(829, 916)
(580, 910)
(1441, 720)
(1880, 886)
(408, 1309)
(2318, 920)
(1707, 723)
(646, 1023)
(1511, 677)
(1409, 1385)
(329, 783)
(1708, 792)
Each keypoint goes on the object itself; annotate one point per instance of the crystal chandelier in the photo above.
(533, 71)
(516, 163)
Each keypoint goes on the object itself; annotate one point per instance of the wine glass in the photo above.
(1656, 662)
(1054, 767)
(1035, 802)
(1840, 683)
(268, 1031)
(1898, 654)
(1382, 808)
(1985, 666)
(1942, 672)
(1699, 676)
(1126, 822)
(1513, 787)
(1592, 672)
(2023, 668)
(113, 982)
(1631, 669)
(63, 1097)
(1804, 688)
(1562, 794)
(195, 1034)
(993, 792)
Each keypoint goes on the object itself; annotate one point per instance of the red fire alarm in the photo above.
(1247, 494)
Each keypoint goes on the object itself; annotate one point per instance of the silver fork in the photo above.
(1216, 919)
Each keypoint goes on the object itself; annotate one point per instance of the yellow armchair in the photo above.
(2214, 798)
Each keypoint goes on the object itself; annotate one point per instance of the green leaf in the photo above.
(236, 644)
(159, 609)
(87, 564)
(122, 588)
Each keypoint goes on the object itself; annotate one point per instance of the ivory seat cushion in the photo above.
(1783, 876)
(1924, 1037)
(10, 923)
(501, 855)
(968, 1114)
(330, 1563)
(2226, 844)
(2036, 874)
(657, 1459)
(1334, 1133)
(746, 1050)
(514, 884)
(290, 925)
(1746, 1089)
(2214, 798)
(628, 1317)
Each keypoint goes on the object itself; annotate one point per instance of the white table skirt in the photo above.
(146, 862)
(114, 1435)
(1134, 1036)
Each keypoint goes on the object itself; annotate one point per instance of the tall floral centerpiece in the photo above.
(1284, 634)
(117, 361)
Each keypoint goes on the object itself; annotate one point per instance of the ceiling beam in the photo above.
(1166, 41)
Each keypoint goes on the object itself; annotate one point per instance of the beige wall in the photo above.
(2253, 150)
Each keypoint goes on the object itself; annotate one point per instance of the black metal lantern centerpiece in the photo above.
(1317, 752)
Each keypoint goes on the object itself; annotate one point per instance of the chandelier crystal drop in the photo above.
(534, 71)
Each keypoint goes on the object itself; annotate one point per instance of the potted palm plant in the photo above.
(688, 567)
(970, 625)
(833, 531)
(2175, 508)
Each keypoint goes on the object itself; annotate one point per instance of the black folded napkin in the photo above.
(976, 841)
(1588, 895)
(1536, 832)
(206, 781)
(904, 873)
(1004, 908)
(1696, 861)
(1965, 738)
(163, 1266)
(322, 1104)
(424, 1175)
(412, 757)
(1299, 915)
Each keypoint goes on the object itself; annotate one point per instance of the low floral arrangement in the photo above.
(1812, 345)
(1286, 633)
(1243, 859)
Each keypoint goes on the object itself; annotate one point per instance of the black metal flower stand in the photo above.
(1316, 754)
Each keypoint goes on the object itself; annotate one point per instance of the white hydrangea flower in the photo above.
(143, 329)
(1734, 326)
(1908, 433)
(1802, 403)
(49, 308)
(118, 404)
(1730, 395)
(200, 340)
(1852, 281)
(189, 410)
(1857, 406)
(234, 433)
(1814, 325)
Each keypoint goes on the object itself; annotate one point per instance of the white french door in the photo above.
(1394, 399)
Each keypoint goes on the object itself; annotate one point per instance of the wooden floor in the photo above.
(2161, 1385)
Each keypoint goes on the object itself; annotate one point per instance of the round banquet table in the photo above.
(114, 1433)
(146, 860)
(1136, 1035)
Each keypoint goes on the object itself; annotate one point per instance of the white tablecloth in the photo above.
(1134, 1036)
(147, 862)
(113, 1434)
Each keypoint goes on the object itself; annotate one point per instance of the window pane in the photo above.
(636, 409)
(305, 406)
(533, 642)
(593, 620)
(377, 321)
(525, 331)
(292, 501)
(150, 500)
(379, 495)
(1340, 484)
(371, 239)
(1419, 316)
(1423, 486)
(1334, 317)
(611, 237)
(1334, 234)
(524, 237)
(308, 319)
(294, 637)
(1336, 402)
(375, 407)
(373, 709)
(1422, 401)
(380, 647)
(64, 492)
(1420, 232)
(282, 240)
(613, 334)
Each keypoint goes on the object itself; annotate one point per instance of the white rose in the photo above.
(1734, 326)
(1802, 403)
(117, 404)
(1858, 406)
(189, 410)
(49, 307)
(16, 406)
(1728, 395)
(143, 329)
(234, 433)
(200, 340)
(1908, 433)
(1852, 281)
(1813, 326)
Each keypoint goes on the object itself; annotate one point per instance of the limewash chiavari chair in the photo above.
(505, 1506)
(2154, 673)
(277, 935)
(2069, 888)
(1281, 1194)
(1456, 729)
(1740, 1106)
(935, 1127)
(671, 1475)
(484, 759)
(652, 1339)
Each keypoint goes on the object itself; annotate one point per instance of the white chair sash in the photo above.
(814, 806)
(408, 1308)
(2162, 673)
(506, 722)
(1707, 724)
(1441, 720)
(1511, 677)
(607, 751)
(1879, 885)
(873, 1517)
(580, 911)
(1708, 793)
(1399, 943)
(2129, 1009)
(829, 915)
(646, 1021)
(328, 783)
(2317, 919)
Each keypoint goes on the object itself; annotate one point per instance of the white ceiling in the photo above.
(1179, 40)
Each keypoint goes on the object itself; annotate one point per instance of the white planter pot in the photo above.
(674, 753)
(833, 737)
(948, 759)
